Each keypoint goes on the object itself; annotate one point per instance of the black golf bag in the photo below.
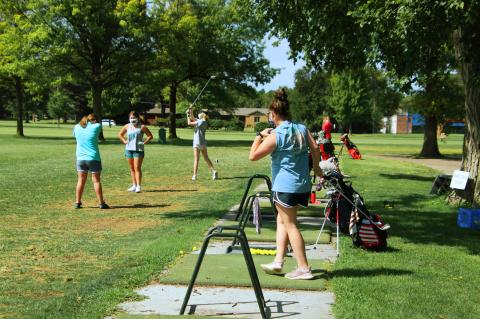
(354, 219)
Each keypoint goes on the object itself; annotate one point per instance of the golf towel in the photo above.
(257, 218)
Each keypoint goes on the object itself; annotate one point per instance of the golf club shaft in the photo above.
(201, 91)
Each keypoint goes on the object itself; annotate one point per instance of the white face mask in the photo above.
(133, 121)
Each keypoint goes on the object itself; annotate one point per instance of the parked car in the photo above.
(108, 122)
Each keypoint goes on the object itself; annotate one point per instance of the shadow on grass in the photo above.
(408, 176)
(139, 206)
(360, 272)
(170, 190)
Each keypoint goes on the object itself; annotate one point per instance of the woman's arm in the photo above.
(261, 147)
(148, 133)
(190, 119)
(315, 155)
(121, 134)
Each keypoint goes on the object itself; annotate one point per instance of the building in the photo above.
(400, 123)
(249, 116)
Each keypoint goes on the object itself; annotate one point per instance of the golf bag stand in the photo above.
(247, 189)
(233, 232)
(327, 211)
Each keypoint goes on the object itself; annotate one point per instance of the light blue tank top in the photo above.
(87, 141)
(199, 135)
(290, 171)
(135, 139)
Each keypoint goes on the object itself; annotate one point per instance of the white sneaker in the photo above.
(194, 177)
(215, 175)
(300, 274)
(138, 189)
(273, 268)
(132, 189)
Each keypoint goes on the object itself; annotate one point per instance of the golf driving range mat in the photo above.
(268, 230)
(231, 270)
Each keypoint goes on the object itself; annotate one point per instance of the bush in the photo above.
(215, 124)
(260, 126)
(181, 123)
(234, 125)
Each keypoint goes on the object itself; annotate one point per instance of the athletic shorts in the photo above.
(89, 166)
(134, 154)
(200, 147)
(290, 200)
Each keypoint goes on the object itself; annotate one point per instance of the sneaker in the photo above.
(273, 268)
(77, 205)
(132, 189)
(103, 206)
(300, 274)
(138, 189)
(215, 175)
(194, 177)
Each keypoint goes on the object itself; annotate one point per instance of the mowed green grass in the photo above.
(56, 262)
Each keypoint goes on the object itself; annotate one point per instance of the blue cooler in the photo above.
(469, 218)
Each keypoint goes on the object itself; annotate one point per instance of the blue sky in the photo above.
(278, 57)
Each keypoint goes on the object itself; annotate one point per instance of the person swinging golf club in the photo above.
(288, 145)
(199, 143)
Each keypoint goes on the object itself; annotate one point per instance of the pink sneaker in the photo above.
(300, 274)
(273, 268)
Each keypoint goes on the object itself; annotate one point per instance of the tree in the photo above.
(99, 42)
(197, 39)
(410, 38)
(308, 98)
(348, 98)
(59, 105)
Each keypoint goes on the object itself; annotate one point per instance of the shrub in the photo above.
(234, 125)
(181, 123)
(215, 124)
(260, 126)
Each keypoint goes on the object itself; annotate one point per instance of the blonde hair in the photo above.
(87, 118)
(203, 116)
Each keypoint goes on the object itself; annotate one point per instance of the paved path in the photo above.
(446, 166)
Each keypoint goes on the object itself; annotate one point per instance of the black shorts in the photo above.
(289, 200)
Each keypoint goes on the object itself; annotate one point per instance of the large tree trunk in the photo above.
(430, 143)
(471, 141)
(97, 89)
(172, 129)
(19, 98)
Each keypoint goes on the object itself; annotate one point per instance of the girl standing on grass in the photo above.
(288, 145)
(134, 148)
(88, 158)
(199, 142)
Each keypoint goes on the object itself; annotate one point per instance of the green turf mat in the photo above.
(231, 270)
(309, 232)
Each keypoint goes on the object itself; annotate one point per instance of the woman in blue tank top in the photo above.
(134, 148)
(288, 145)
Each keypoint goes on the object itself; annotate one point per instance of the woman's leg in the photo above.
(138, 170)
(289, 218)
(196, 155)
(282, 240)
(82, 179)
(207, 159)
(97, 185)
(131, 164)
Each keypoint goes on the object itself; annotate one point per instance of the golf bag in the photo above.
(351, 148)
(354, 218)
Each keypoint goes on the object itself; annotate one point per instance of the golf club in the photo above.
(210, 78)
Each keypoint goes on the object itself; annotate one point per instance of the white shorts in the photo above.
(200, 147)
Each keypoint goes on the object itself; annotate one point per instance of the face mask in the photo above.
(133, 121)
(270, 120)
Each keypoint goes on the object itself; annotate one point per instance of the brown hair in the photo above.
(280, 105)
(137, 115)
(87, 118)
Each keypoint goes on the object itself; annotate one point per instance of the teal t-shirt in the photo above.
(87, 141)
(290, 170)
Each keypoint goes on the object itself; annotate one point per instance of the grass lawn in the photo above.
(56, 262)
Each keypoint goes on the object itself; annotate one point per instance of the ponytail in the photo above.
(87, 118)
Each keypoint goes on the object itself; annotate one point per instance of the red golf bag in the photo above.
(351, 148)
